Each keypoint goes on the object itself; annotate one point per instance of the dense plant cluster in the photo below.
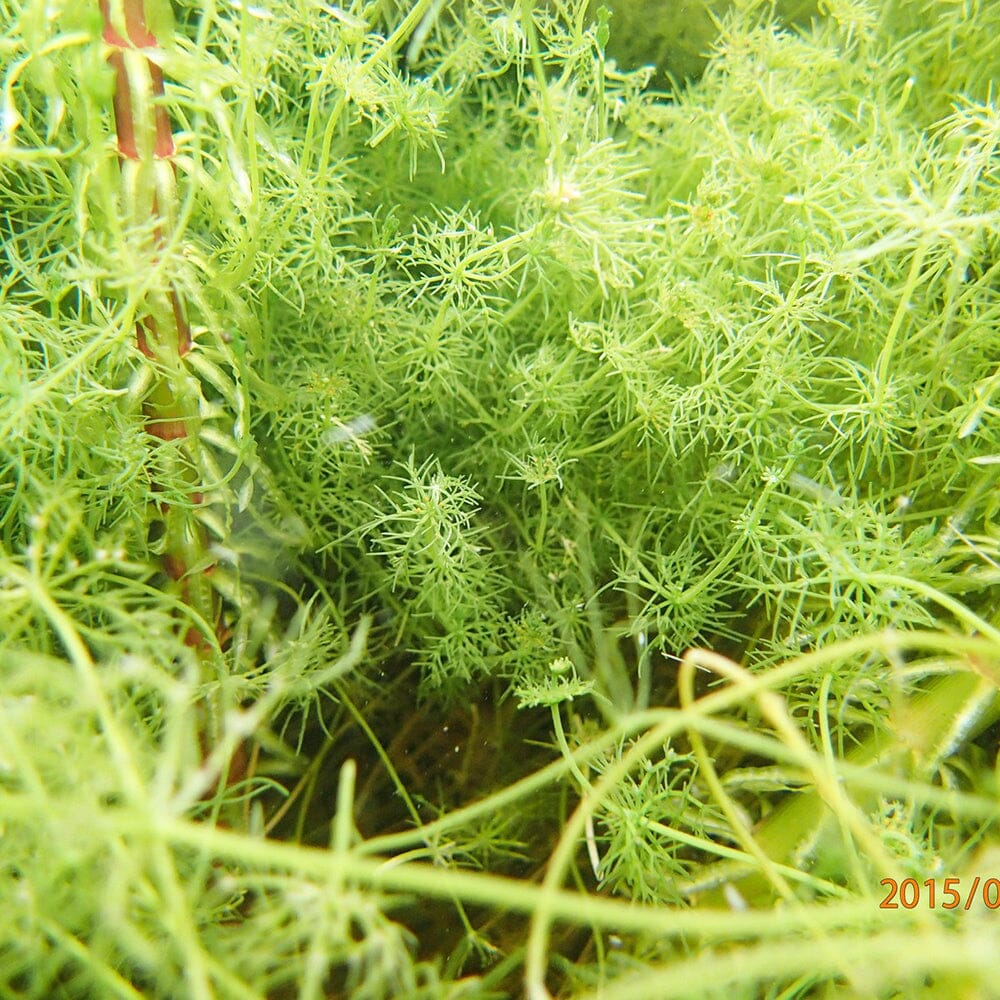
(518, 371)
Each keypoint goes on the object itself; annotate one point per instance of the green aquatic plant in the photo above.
(481, 516)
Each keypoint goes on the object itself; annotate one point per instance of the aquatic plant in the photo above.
(481, 516)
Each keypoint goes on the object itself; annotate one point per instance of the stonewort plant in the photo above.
(496, 502)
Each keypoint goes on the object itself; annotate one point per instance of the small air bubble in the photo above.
(352, 431)
(736, 902)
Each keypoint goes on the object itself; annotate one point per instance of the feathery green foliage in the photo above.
(518, 370)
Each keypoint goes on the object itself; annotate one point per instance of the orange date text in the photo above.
(946, 893)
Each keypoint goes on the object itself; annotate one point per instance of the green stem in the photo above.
(549, 132)
(902, 307)
(563, 745)
(543, 499)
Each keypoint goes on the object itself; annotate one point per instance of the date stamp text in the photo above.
(946, 894)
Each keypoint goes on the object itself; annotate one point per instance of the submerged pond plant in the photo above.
(495, 502)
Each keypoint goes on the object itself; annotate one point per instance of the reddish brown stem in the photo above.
(163, 334)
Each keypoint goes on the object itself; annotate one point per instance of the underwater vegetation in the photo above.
(499, 499)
